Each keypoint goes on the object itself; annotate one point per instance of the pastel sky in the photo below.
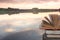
(30, 3)
(27, 1)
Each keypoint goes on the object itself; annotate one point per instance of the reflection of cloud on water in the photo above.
(24, 35)
(18, 23)
(9, 30)
(12, 24)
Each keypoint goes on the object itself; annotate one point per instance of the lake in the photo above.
(23, 26)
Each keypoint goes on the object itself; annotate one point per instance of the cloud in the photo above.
(26, 1)
(6, 1)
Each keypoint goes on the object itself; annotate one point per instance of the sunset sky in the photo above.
(30, 3)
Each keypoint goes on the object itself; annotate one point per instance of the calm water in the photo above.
(22, 26)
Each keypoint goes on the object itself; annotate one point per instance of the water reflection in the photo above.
(9, 30)
(21, 22)
(24, 35)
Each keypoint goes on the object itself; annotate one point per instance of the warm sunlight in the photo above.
(9, 30)
(46, 5)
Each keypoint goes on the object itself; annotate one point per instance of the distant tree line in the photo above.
(17, 10)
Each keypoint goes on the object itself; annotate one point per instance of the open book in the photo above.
(51, 24)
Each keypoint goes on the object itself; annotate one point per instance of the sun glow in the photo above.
(9, 30)
(50, 5)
